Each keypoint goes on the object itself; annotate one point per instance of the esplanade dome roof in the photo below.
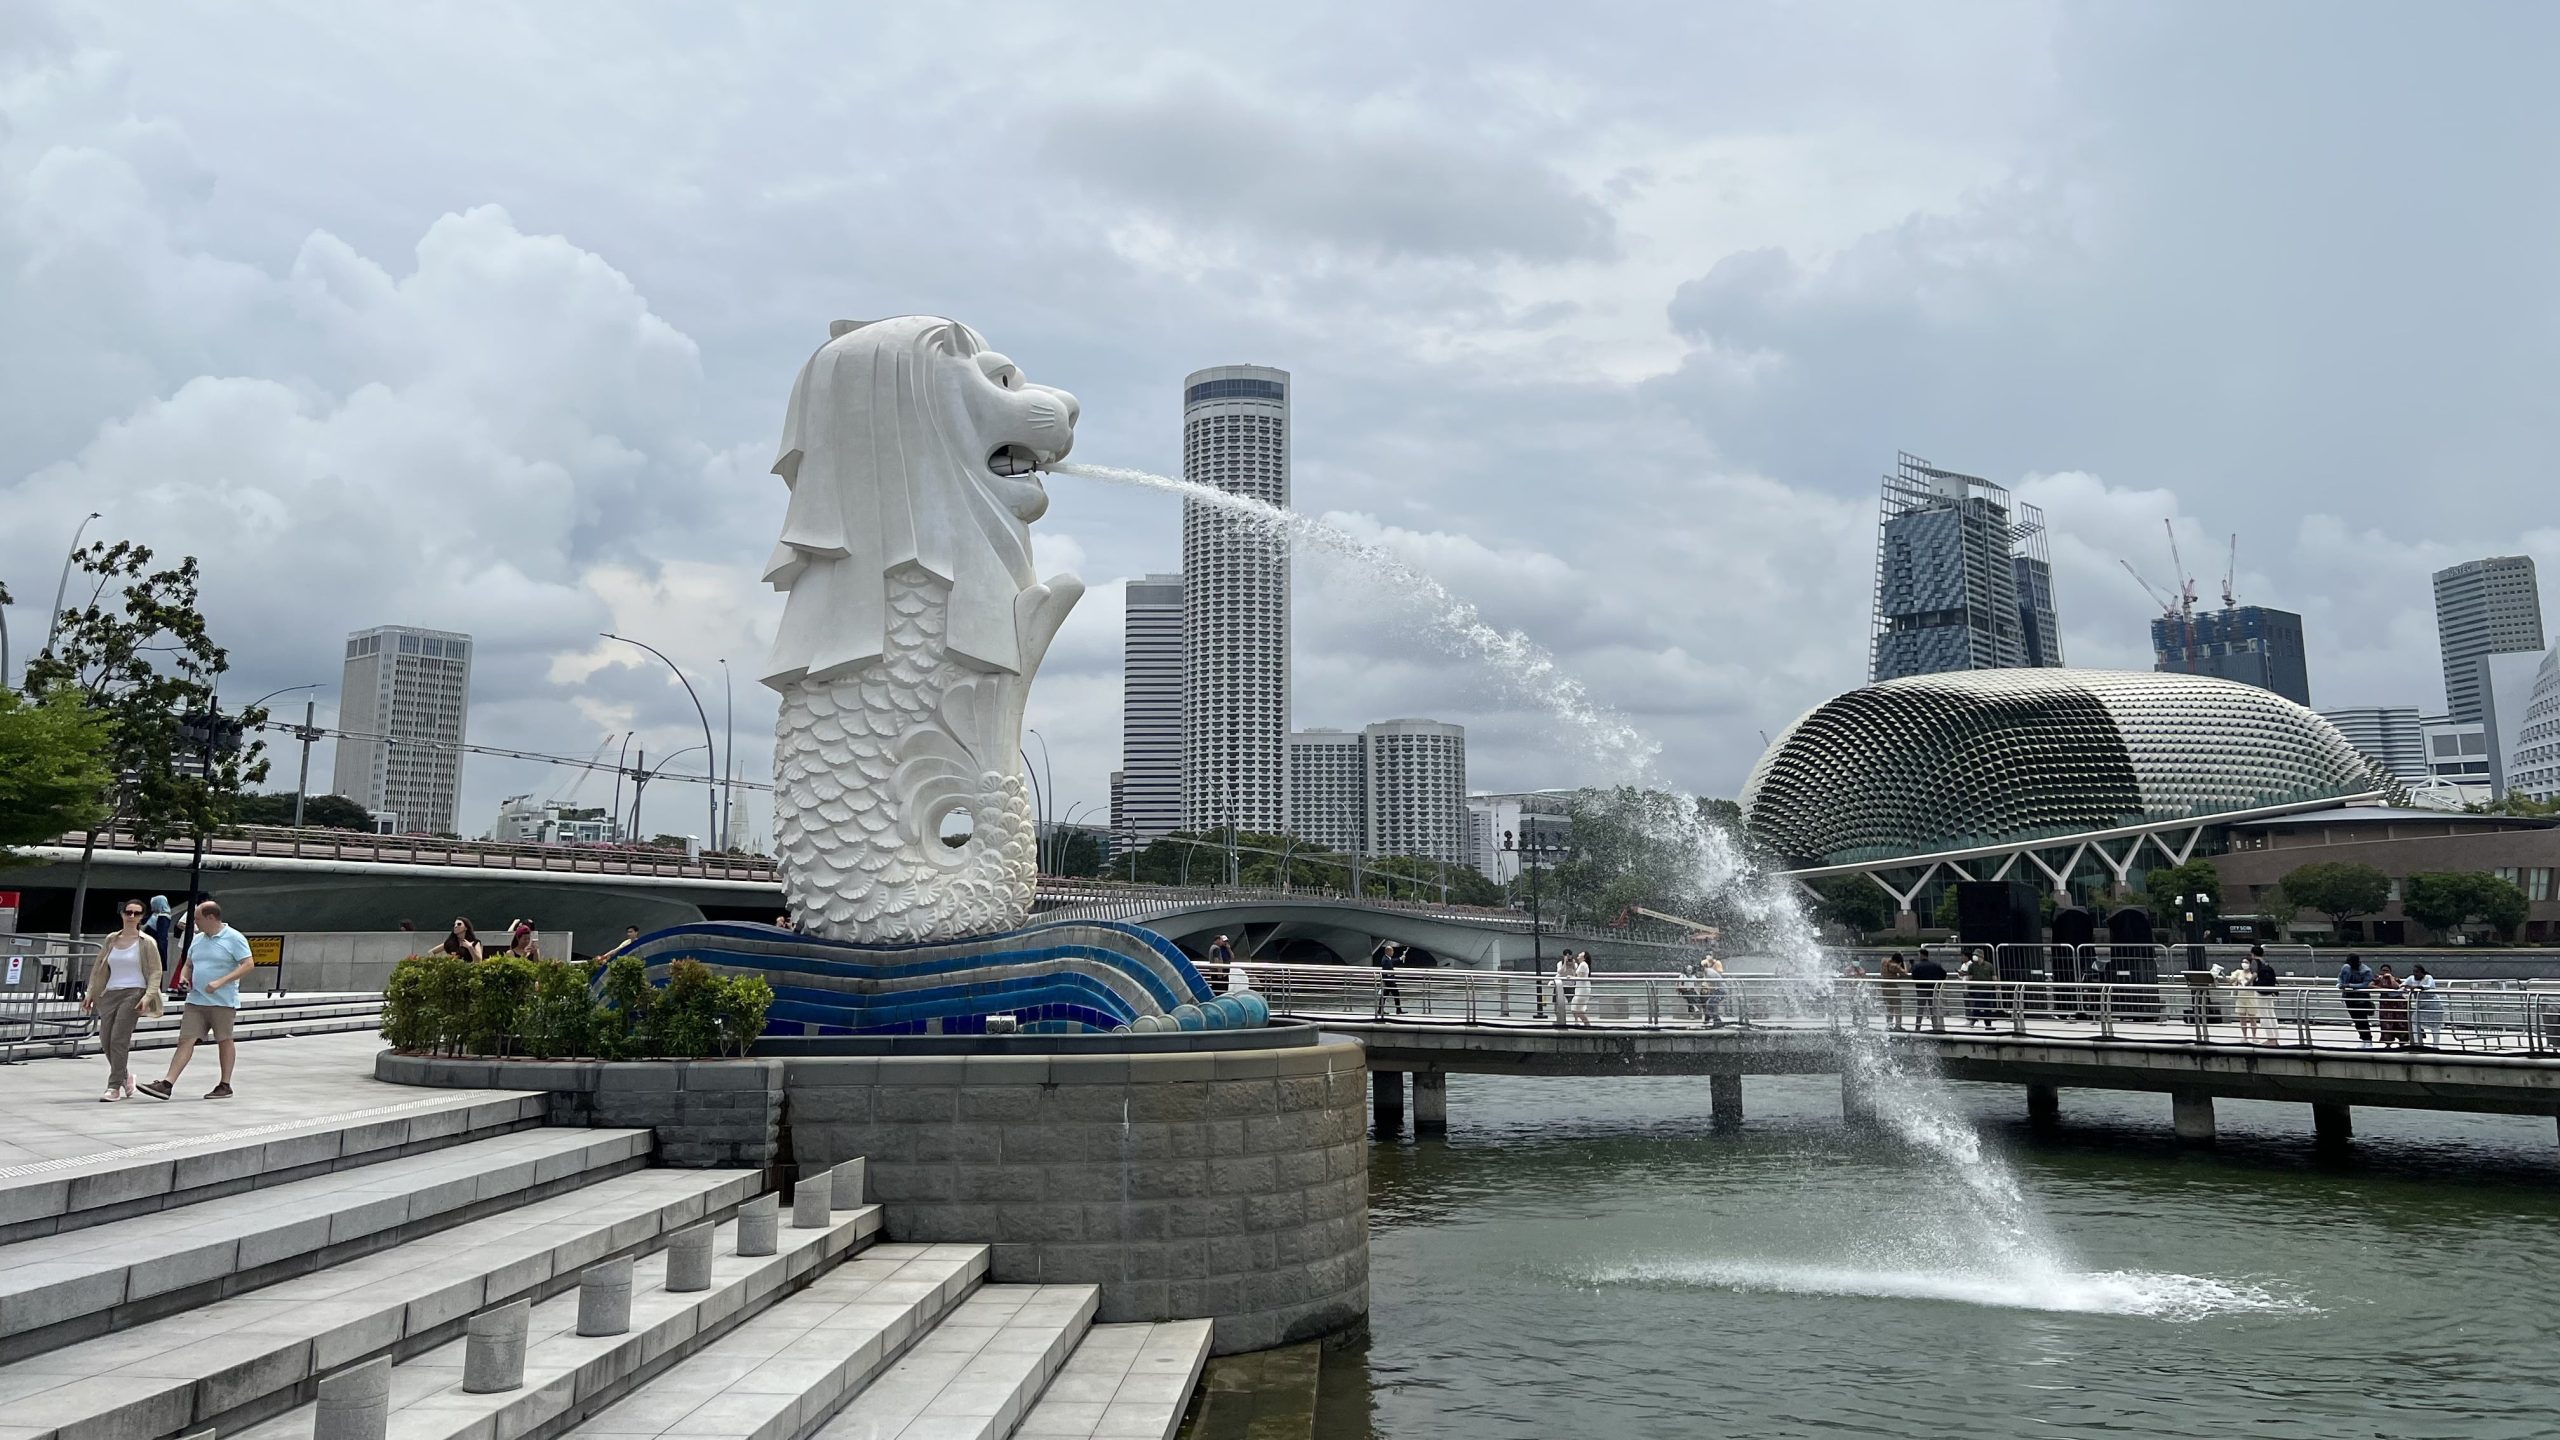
(1987, 757)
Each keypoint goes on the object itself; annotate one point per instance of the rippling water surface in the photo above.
(1586, 1259)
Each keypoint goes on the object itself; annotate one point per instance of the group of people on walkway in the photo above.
(2410, 1012)
(124, 986)
(464, 941)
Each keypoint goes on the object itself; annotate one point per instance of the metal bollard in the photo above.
(809, 1203)
(844, 1185)
(604, 1298)
(689, 1259)
(759, 1225)
(355, 1403)
(493, 1350)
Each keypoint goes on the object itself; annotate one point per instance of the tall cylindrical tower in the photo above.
(1235, 603)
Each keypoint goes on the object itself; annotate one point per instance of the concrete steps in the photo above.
(779, 1375)
(568, 1376)
(243, 1358)
(46, 1196)
(61, 1288)
(1123, 1382)
(978, 1373)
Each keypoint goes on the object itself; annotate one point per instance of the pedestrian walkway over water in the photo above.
(2493, 1048)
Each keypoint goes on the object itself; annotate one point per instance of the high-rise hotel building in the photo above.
(404, 702)
(1148, 802)
(1235, 603)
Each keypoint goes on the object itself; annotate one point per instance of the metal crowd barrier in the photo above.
(41, 977)
(2453, 1015)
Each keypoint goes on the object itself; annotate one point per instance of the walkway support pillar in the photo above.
(2332, 1124)
(1724, 1101)
(2044, 1105)
(1386, 1103)
(1430, 1103)
(2192, 1113)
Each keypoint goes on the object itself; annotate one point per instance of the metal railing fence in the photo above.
(2300, 1011)
(41, 977)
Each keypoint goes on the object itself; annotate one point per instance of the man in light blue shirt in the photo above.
(217, 961)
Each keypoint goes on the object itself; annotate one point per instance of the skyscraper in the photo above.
(1417, 784)
(410, 690)
(1398, 787)
(2483, 607)
(1962, 578)
(2252, 644)
(1151, 689)
(1329, 789)
(2391, 736)
(1235, 603)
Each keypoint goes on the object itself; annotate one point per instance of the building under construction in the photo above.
(2252, 644)
(1963, 581)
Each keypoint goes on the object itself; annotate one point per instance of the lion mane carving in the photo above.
(912, 626)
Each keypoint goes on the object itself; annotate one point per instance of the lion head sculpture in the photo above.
(909, 441)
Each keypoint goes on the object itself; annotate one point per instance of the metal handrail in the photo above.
(40, 979)
(2300, 1012)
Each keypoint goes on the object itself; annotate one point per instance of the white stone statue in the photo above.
(913, 625)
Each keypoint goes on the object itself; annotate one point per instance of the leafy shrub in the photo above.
(502, 988)
(548, 1008)
(559, 1020)
(744, 1001)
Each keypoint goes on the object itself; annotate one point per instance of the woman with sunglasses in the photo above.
(124, 986)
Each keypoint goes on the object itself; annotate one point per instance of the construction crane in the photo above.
(567, 790)
(2186, 611)
(2230, 570)
(1700, 929)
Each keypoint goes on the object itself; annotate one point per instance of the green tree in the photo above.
(2162, 887)
(2339, 889)
(319, 812)
(2516, 802)
(53, 768)
(1075, 853)
(2445, 902)
(1853, 901)
(1630, 847)
(139, 656)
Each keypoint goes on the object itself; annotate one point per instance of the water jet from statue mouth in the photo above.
(1012, 461)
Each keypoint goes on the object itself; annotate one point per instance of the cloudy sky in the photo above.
(482, 317)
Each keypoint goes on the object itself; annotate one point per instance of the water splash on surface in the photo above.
(2140, 1294)
(1900, 1082)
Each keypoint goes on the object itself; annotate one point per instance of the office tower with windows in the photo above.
(1235, 603)
(1329, 789)
(404, 702)
(1962, 578)
(2252, 644)
(1148, 798)
(1417, 786)
(2393, 737)
(2483, 607)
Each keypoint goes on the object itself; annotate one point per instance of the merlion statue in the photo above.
(913, 624)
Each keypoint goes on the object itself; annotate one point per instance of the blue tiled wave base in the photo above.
(1061, 977)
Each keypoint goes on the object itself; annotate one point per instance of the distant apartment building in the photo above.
(2483, 607)
(2393, 737)
(1398, 787)
(1504, 825)
(2253, 644)
(1963, 581)
(1147, 798)
(522, 820)
(404, 704)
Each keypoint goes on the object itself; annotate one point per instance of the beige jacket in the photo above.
(150, 967)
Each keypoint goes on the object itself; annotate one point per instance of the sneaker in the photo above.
(219, 1092)
(156, 1089)
(114, 1092)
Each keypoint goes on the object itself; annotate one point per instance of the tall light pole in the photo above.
(62, 586)
(1534, 853)
(710, 754)
(728, 758)
(619, 768)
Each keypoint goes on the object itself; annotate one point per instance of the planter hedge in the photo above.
(566, 1009)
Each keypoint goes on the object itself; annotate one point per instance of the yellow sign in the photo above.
(266, 950)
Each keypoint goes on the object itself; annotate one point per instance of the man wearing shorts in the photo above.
(219, 958)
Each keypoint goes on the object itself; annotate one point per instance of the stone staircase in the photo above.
(270, 1283)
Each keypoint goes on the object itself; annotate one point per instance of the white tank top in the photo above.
(124, 965)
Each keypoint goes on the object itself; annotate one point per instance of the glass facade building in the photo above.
(2483, 607)
(1962, 578)
(2252, 644)
(1946, 762)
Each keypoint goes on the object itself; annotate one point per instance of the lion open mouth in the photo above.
(1012, 460)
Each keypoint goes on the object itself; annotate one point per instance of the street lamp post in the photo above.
(62, 586)
(710, 753)
(1534, 855)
